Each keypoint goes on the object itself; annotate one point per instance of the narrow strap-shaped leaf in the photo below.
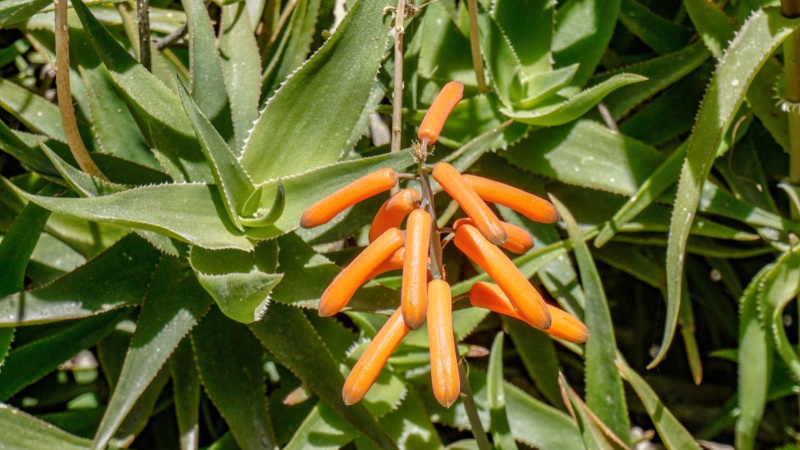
(604, 392)
(22, 431)
(756, 355)
(81, 182)
(27, 364)
(754, 43)
(207, 81)
(409, 424)
(539, 357)
(17, 246)
(501, 60)
(779, 287)
(282, 331)
(156, 108)
(234, 185)
(672, 433)
(33, 111)
(715, 27)
(241, 66)
(173, 306)
(116, 279)
(496, 398)
(582, 33)
(231, 365)
(15, 11)
(307, 122)
(186, 385)
(657, 32)
(528, 24)
(140, 413)
(322, 421)
(596, 434)
(575, 106)
(193, 213)
(27, 153)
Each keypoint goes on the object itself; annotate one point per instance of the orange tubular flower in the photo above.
(527, 204)
(485, 220)
(564, 326)
(393, 211)
(523, 296)
(363, 188)
(434, 119)
(519, 240)
(444, 365)
(414, 295)
(369, 365)
(341, 290)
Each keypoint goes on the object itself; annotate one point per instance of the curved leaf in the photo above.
(496, 398)
(751, 47)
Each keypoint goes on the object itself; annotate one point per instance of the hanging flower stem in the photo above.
(64, 94)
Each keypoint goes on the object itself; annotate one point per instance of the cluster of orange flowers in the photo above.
(477, 236)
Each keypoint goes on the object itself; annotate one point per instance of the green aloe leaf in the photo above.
(657, 32)
(299, 32)
(528, 25)
(561, 112)
(193, 213)
(323, 428)
(582, 33)
(155, 107)
(172, 307)
(542, 85)
(33, 111)
(116, 277)
(409, 424)
(531, 421)
(241, 66)
(715, 27)
(231, 365)
(661, 72)
(234, 185)
(16, 11)
(81, 182)
(186, 385)
(779, 287)
(239, 281)
(27, 153)
(309, 119)
(756, 359)
(305, 189)
(29, 363)
(672, 433)
(538, 355)
(596, 434)
(604, 392)
(22, 431)
(754, 43)
(503, 64)
(282, 331)
(207, 80)
(496, 398)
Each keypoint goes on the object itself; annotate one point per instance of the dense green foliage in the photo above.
(180, 279)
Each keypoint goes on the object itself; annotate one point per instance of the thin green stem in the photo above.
(475, 46)
(472, 411)
(397, 96)
(64, 94)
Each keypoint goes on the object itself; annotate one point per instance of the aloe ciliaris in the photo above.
(186, 289)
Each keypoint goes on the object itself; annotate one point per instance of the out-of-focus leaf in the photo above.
(761, 99)
(306, 124)
(501, 61)
(496, 397)
(323, 428)
(780, 286)
(604, 392)
(672, 433)
(231, 362)
(658, 33)
(409, 426)
(755, 358)
(15, 11)
(21, 431)
(193, 213)
(241, 67)
(172, 307)
(155, 107)
(300, 31)
(30, 362)
(239, 281)
(118, 277)
(186, 385)
(715, 27)
(596, 434)
(582, 33)
(32, 110)
(660, 72)
(441, 37)
(751, 47)
(538, 355)
(531, 421)
(282, 331)
(568, 110)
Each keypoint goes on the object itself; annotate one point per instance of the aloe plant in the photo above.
(167, 299)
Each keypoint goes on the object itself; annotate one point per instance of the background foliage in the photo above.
(167, 300)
